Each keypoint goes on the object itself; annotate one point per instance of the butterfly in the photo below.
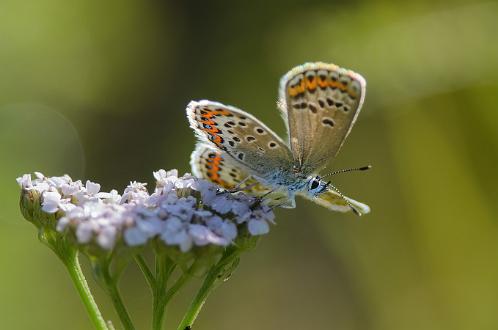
(319, 104)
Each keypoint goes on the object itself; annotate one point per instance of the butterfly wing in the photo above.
(254, 147)
(333, 201)
(216, 166)
(320, 103)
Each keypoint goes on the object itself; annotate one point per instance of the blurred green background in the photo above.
(97, 89)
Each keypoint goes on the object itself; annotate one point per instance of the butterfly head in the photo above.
(316, 185)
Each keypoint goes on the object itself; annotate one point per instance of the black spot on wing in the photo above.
(328, 122)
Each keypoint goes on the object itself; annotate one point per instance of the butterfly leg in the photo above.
(237, 187)
(290, 201)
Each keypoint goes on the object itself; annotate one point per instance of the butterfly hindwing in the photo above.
(216, 166)
(253, 146)
(320, 103)
(210, 164)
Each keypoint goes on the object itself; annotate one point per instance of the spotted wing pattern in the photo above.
(333, 201)
(255, 148)
(216, 166)
(320, 103)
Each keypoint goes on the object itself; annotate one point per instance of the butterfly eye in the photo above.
(314, 184)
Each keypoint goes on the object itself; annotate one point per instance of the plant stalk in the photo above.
(111, 286)
(164, 267)
(73, 267)
(215, 276)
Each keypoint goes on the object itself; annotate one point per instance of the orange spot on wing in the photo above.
(214, 171)
(342, 87)
(217, 112)
(207, 117)
(306, 84)
(311, 85)
(322, 83)
(213, 131)
(217, 139)
(296, 90)
(337, 84)
(301, 87)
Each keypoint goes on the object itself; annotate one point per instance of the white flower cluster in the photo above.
(183, 211)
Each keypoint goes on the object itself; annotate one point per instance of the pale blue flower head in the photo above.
(183, 212)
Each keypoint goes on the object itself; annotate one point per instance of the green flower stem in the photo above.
(163, 296)
(216, 275)
(180, 282)
(73, 266)
(164, 267)
(149, 277)
(111, 286)
(117, 301)
(68, 254)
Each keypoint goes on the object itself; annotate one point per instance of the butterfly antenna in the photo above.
(355, 211)
(363, 168)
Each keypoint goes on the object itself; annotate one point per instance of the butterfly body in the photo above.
(319, 103)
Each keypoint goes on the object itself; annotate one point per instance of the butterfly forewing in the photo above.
(320, 103)
(254, 147)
